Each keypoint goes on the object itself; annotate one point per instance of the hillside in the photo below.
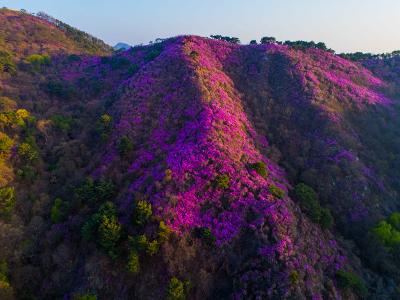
(194, 168)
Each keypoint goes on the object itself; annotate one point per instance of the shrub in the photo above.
(153, 53)
(6, 290)
(109, 234)
(276, 191)
(163, 232)
(95, 191)
(124, 145)
(27, 173)
(7, 63)
(57, 211)
(176, 290)
(260, 168)
(394, 220)
(143, 212)
(133, 265)
(152, 247)
(37, 61)
(294, 277)
(326, 219)
(27, 152)
(138, 243)
(7, 200)
(6, 143)
(104, 126)
(62, 123)
(348, 280)
(205, 234)
(194, 54)
(222, 181)
(119, 62)
(308, 199)
(86, 297)
(90, 228)
(386, 234)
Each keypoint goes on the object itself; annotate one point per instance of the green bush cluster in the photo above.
(6, 144)
(229, 39)
(104, 126)
(109, 233)
(141, 244)
(276, 191)
(63, 90)
(58, 211)
(133, 264)
(92, 192)
(205, 234)
(87, 296)
(28, 152)
(63, 123)
(7, 201)
(177, 289)
(143, 212)
(15, 119)
(222, 181)
(125, 145)
(260, 168)
(348, 280)
(105, 226)
(7, 63)
(6, 290)
(308, 200)
(388, 231)
(153, 52)
(37, 61)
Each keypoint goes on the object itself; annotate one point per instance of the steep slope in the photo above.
(23, 34)
(177, 169)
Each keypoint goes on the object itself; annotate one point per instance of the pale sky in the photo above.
(344, 25)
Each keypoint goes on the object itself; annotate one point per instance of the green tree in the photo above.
(268, 40)
(7, 63)
(176, 290)
(6, 143)
(7, 200)
(276, 191)
(260, 168)
(58, 211)
(143, 212)
(27, 152)
(222, 181)
(348, 280)
(163, 232)
(124, 145)
(37, 61)
(109, 234)
(133, 265)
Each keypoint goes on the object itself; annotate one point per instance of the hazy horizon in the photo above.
(345, 26)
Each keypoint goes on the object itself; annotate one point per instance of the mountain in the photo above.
(121, 46)
(194, 168)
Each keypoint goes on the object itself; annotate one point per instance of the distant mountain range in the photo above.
(195, 168)
(121, 46)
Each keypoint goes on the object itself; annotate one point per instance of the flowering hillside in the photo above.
(194, 168)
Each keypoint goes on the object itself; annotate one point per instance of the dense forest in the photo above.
(195, 168)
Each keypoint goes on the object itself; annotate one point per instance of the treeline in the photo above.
(82, 38)
(272, 40)
(357, 56)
